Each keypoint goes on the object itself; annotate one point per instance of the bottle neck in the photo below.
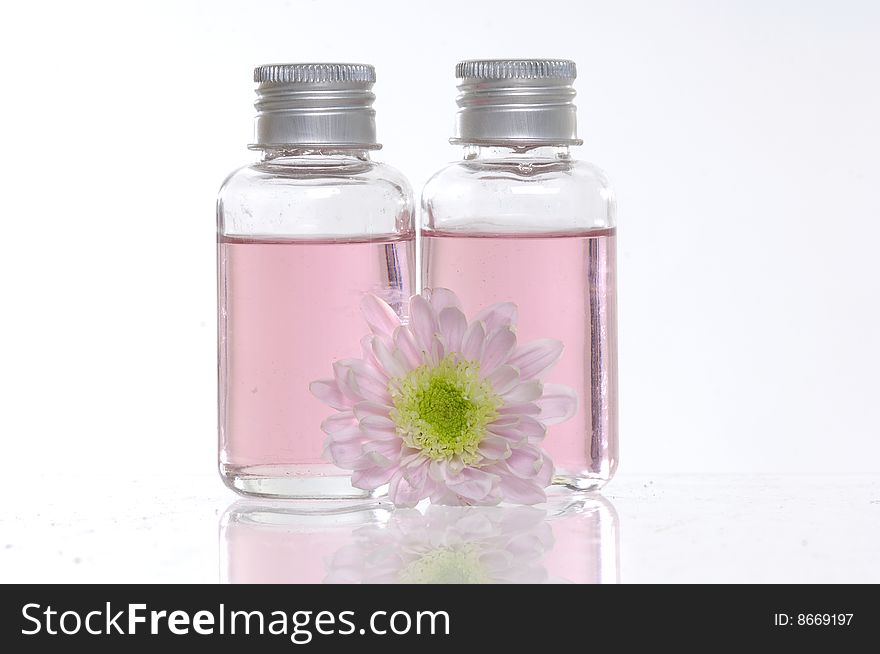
(472, 151)
(305, 155)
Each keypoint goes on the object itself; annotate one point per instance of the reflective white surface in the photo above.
(687, 528)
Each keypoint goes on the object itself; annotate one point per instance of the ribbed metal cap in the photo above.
(519, 101)
(315, 105)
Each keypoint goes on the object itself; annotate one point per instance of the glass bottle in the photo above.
(303, 233)
(519, 219)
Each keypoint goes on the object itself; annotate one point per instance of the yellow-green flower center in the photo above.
(446, 566)
(443, 409)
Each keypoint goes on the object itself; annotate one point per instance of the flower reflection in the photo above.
(573, 540)
(448, 545)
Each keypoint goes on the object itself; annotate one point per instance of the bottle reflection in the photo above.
(572, 540)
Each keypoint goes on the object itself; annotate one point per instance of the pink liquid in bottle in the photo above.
(288, 310)
(564, 286)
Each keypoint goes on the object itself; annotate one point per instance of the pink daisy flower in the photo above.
(443, 408)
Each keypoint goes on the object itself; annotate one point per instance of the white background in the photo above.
(742, 138)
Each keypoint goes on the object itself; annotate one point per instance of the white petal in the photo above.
(471, 483)
(442, 496)
(532, 428)
(510, 433)
(536, 358)
(503, 379)
(372, 478)
(525, 409)
(525, 430)
(366, 369)
(338, 422)
(521, 491)
(438, 350)
(454, 466)
(472, 341)
(524, 392)
(342, 372)
(364, 409)
(351, 390)
(379, 315)
(388, 451)
(366, 381)
(347, 435)
(545, 475)
(503, 314)
(367, 349)
(417, 472)
(406, 346)
(494, 448)
(557, 404)
(525, 462)
(422, 322)
(442, 298)
(342, 427)
(410, 456)
(386, 358)
(505, 421)
(345, 454)
(378, 427)
(437, 469)
(407, 489)
(327, 390)
(452, 325)
(499, 345)
(402, 360)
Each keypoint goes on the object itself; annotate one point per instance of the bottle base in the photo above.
(322, 482)
(579, 483)
(294, 482)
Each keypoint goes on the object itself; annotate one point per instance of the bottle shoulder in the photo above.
(519, 195)
(321, 197)
(292, 176)
(519, 171)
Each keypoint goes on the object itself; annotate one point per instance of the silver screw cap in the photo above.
(318, 105)
(516, 101)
